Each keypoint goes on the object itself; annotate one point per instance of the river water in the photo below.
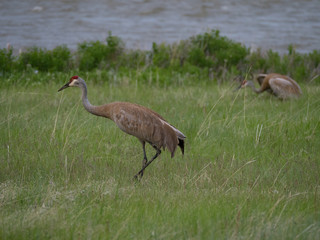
(265, 24)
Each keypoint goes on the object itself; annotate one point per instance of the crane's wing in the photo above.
(281, 87)
(147, 126)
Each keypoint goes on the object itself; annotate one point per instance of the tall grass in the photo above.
(250, 171)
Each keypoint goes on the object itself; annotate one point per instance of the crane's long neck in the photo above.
(87, 105)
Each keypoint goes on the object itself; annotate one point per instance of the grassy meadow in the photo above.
(251, 167)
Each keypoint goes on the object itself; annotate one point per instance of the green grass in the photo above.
(250, 171)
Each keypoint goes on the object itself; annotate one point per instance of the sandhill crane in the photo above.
(141, 122)
(279, 85)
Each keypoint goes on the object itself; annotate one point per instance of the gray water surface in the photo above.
(267, 24)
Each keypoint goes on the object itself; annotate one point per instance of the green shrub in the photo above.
(223, 51)
(40, 59)
(257, 61)
(6, 60)
(96, 54)
(135, 59)
(161, 55)
(200, 58)
(314, 59)
(115, 46)
(91, 54)
(61, 59)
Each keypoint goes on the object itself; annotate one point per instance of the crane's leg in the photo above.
(148, 163)
(145, 160)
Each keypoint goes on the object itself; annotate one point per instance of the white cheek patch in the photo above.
(72, 84)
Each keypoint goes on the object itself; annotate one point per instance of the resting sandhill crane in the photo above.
(141, 122)
(279, 85)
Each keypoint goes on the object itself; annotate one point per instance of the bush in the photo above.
(135, 59)
(59, 59)
(203, 57)
(314, 59)
(161, 55)
(6, 60)
(96, 54)
(198, 58)
(218, 50)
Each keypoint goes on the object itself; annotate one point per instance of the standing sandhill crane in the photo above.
(141, 122)
(279, 85)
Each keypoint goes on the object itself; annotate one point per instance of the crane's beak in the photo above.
(63, 87)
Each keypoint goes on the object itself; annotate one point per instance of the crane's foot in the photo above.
(137, 177)
(140, 173)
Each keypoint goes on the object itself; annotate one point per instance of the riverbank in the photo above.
(204, 57)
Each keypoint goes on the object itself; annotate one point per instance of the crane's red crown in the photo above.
(72, 78)
(244, 82)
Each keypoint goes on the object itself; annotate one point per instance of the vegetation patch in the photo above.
(209, 55)
(251, 165)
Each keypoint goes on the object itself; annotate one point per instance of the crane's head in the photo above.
(243, 84)
(73, 82)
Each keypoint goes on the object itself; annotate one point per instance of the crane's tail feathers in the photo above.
(180, 135)
(181, 145)
(181, 138)
(172, 135)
